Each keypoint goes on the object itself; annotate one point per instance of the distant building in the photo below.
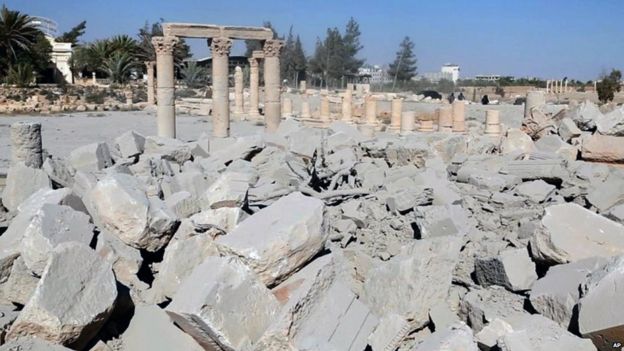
(61, 52)
(448, 71)
(374, 74)
(488, 77)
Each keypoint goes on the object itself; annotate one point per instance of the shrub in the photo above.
(20, 74)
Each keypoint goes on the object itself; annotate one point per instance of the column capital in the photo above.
(220, 46)
(164, 45)
(273, 47)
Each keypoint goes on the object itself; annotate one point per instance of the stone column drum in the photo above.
(151, 99)
(533, 99)
(287, 108)
(492, 122)
(426, 125)
(305, 108)
(220, 92)
(445, 119)
(347, 106)
(272, 81)
(165, 115)
(254, 87)
(238, 91)
(325, 112)
(459, 116)
(303, 86)
(396, 115)
(26, 145)
(371, 110)
(408, 120)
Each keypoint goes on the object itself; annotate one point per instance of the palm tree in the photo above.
(119, 66)
(124, 43)
(17, 31)
(194, 75)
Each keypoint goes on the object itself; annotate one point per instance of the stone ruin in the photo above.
(329, 230)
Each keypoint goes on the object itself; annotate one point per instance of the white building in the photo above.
(452, 71)
(488, 77)
(61, 52)
(448, 71)
(378, 74)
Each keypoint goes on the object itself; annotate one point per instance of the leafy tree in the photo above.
(351, 47)
(328, 58)
(146, 50)
(73, 34)
(17, 32)
(194, 76)
(403, 69)
(300, 62)
(293, 59)
(609, 85)
(119, 67)
(254, 45)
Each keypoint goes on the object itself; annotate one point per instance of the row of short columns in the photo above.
(220, 47)
(556, 86)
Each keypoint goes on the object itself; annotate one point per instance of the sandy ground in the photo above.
(63, 133)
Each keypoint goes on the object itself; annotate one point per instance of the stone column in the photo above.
(565, 89)
(151, 100)
(371, 110)
(287, 109)
(26, 144)
(547, 83)
(325, 112)
(396, 115)
(459, 116)
(165, 115)
(238, 91)
(254, 87)
(272, 81)
(94, 78)
(492, 122)
(407, 122)
(305, 108)
(347, 106)
(445, 119)
(128, 95)
(303, 87)
(533, 99)
(426, 125)
(220, 91)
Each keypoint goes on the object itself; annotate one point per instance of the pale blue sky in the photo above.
(543, 38)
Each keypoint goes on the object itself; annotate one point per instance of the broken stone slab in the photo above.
(487, 180)
(319, 311)
(130, 144)
(92, 157)
(125, 260)
(453, 338)
(43, 196)
(183, 204)
(194, 181)
(21, 182)
(568, 129)
(585, 115)
(151, 329)
(20, 285)
(482, 306)
(435, 221)
(224, 218)
(292, 233)
(600, 317)
(442, 316)
(8, 314)
(390, 331)
(305, 141)
(607, 194)
(611, 123)
(569, 233)
(181, 257)
(229, 190)
(554, 169)
(49, 227)
(118, 204)
(406, 199)
(223, 305)
(415, 263)
(616, 213)
(31, 344)
(73, 314)
(512, 268)
(556, 294)
(532, 332)
(169, 149)
(553, 144)
(536, 191)
(602, 148)
(240, 148)
(517, 142)
(488, 336)
(59, 171)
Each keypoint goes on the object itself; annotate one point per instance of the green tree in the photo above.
(194, 75)
(73, 34)
(327, 61)
(351, 47)
(293, 59)
(403, 69)
(300, 61)
(146, 50)
(119, 66)
(20, 74)
(609, 85)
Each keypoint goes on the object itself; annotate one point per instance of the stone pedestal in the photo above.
(492, 122)
(303, 87)
(93, 78)
(272, 83)
(325, 112)
(287, 109)
(26, 145)
(371, 111)
(407, 122)
(533, 99)
(220, 91)
(396, 115)
(128, 95)
(165, 115)
(238, 92)
(426, 126)
(445, 119)
(305, 108)
(347, 106)
(459, 116)
(151, 99)
(254, 87)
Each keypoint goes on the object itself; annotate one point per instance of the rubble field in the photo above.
(314, 238)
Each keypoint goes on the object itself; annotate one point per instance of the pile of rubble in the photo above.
(316, 239)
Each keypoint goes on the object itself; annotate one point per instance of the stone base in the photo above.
(314, 122)
(393, 129)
